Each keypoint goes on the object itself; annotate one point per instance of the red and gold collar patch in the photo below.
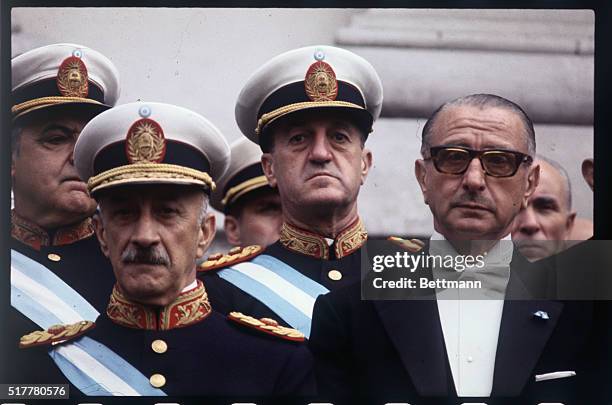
(145, 142)
(36, 237)
(187, 309)
(312, 244)
(320, 82)
(72, 78)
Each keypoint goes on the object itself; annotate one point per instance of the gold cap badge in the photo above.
(320, 82)
(72, 78)
(145, 142)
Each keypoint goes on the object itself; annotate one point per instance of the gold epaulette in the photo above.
(267, 325)
(412, 245)
(235, 255)
(55, 334)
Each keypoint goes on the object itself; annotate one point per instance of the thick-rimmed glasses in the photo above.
(494, 162)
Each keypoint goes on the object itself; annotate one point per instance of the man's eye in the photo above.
(340, 137)
(297, 138)
(56, 140)
(168, 211)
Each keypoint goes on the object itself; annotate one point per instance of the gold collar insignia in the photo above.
(188, 308)
(312, 244)
(36, 237)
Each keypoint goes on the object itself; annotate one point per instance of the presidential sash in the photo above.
(47, 300)
(283, 289)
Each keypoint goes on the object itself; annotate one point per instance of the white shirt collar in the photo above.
(191, 286)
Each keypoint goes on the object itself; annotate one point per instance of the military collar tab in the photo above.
(312, 244)
(187, 309)
(36, 237)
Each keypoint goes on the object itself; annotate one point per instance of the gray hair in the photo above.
(482, 101)
(564, 175)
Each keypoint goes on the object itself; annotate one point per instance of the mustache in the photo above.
(467, 198)
(145, 255)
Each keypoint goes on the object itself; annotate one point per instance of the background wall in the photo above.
(199, 58)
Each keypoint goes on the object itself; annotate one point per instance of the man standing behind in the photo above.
(541, 229)
(476, 173)
(252, 208)
(310, 110)
(55, 257)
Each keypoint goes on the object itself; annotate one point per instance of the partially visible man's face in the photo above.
(152, 236)
(318, 161)
(547, 217)
(259, 220)
(473, 205)
(46, 185)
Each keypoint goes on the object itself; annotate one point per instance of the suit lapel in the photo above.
(522, 338)
(413, 326)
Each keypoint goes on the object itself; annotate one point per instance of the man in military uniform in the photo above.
(310, 110)
(252, 208)
(55, 258)
(476, 172)
(151, 167)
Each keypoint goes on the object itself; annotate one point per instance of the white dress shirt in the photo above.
(471, 318)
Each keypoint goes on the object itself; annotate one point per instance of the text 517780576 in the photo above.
(33, 391)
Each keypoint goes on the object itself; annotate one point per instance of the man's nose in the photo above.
(145, 232)
(528, 222)
(320, 150)
(474, 177)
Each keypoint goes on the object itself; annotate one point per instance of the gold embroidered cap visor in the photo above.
(62, 75)
(314, 77)
(145, 143)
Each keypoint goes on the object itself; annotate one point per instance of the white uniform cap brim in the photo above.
(43, 63)
(291, 67)
(178, 124)
(244, 153)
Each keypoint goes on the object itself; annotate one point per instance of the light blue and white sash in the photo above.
(47, 300)
(283, 289)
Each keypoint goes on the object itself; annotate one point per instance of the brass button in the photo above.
(157, 380)
(334, 275)
(53, 257)
(159, 346)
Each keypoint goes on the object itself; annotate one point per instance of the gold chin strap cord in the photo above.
(147, 172)
(30, 105)
(279, 112)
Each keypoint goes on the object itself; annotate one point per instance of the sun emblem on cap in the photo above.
(320, 82)
(72, 78)
(145, 142)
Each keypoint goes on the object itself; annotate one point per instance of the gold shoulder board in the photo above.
(267, 325)
(55, 334)
(412, 245)
(235, 255)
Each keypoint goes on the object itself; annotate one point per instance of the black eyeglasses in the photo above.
(496, 163)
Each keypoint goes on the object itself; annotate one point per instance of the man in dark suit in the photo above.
(476, 173)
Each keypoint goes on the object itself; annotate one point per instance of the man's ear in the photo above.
(587, 171)
(569, 224)
(366, 164)
(420, 171)
(533, 178)
(206, 234)
(232, 230)
(267, 164)
(100, 233)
